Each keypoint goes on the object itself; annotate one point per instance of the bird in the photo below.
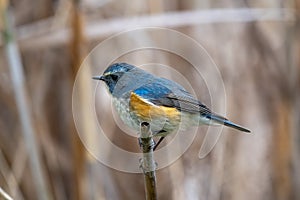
(139, 96)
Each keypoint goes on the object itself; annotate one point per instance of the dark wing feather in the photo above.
(188, 104)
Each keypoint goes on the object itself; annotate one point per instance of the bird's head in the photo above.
(113, 74)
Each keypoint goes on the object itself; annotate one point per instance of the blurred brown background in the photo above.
(256, 50)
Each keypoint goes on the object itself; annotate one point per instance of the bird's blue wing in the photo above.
(171, 96)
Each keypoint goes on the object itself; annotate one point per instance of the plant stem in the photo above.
(4, 195)
(148, 164)
(23, 106)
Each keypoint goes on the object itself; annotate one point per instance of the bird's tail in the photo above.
(221, 120)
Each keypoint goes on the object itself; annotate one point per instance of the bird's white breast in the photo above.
(122, 107)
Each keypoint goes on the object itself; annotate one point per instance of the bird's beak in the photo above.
(99, 78)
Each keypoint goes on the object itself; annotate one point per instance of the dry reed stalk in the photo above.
(38, 35)
(23, 106)
(77, 55)
(5, 195)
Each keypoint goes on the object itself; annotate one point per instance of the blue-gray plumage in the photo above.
(140, 96)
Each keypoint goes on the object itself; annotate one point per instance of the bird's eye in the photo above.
(114, 77)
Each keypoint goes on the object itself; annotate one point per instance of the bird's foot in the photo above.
(158, 142)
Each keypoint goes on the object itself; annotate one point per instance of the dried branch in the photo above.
(148, 164)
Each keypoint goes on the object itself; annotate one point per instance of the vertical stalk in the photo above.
(21, 97)
(148, 164)
(78, 52)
